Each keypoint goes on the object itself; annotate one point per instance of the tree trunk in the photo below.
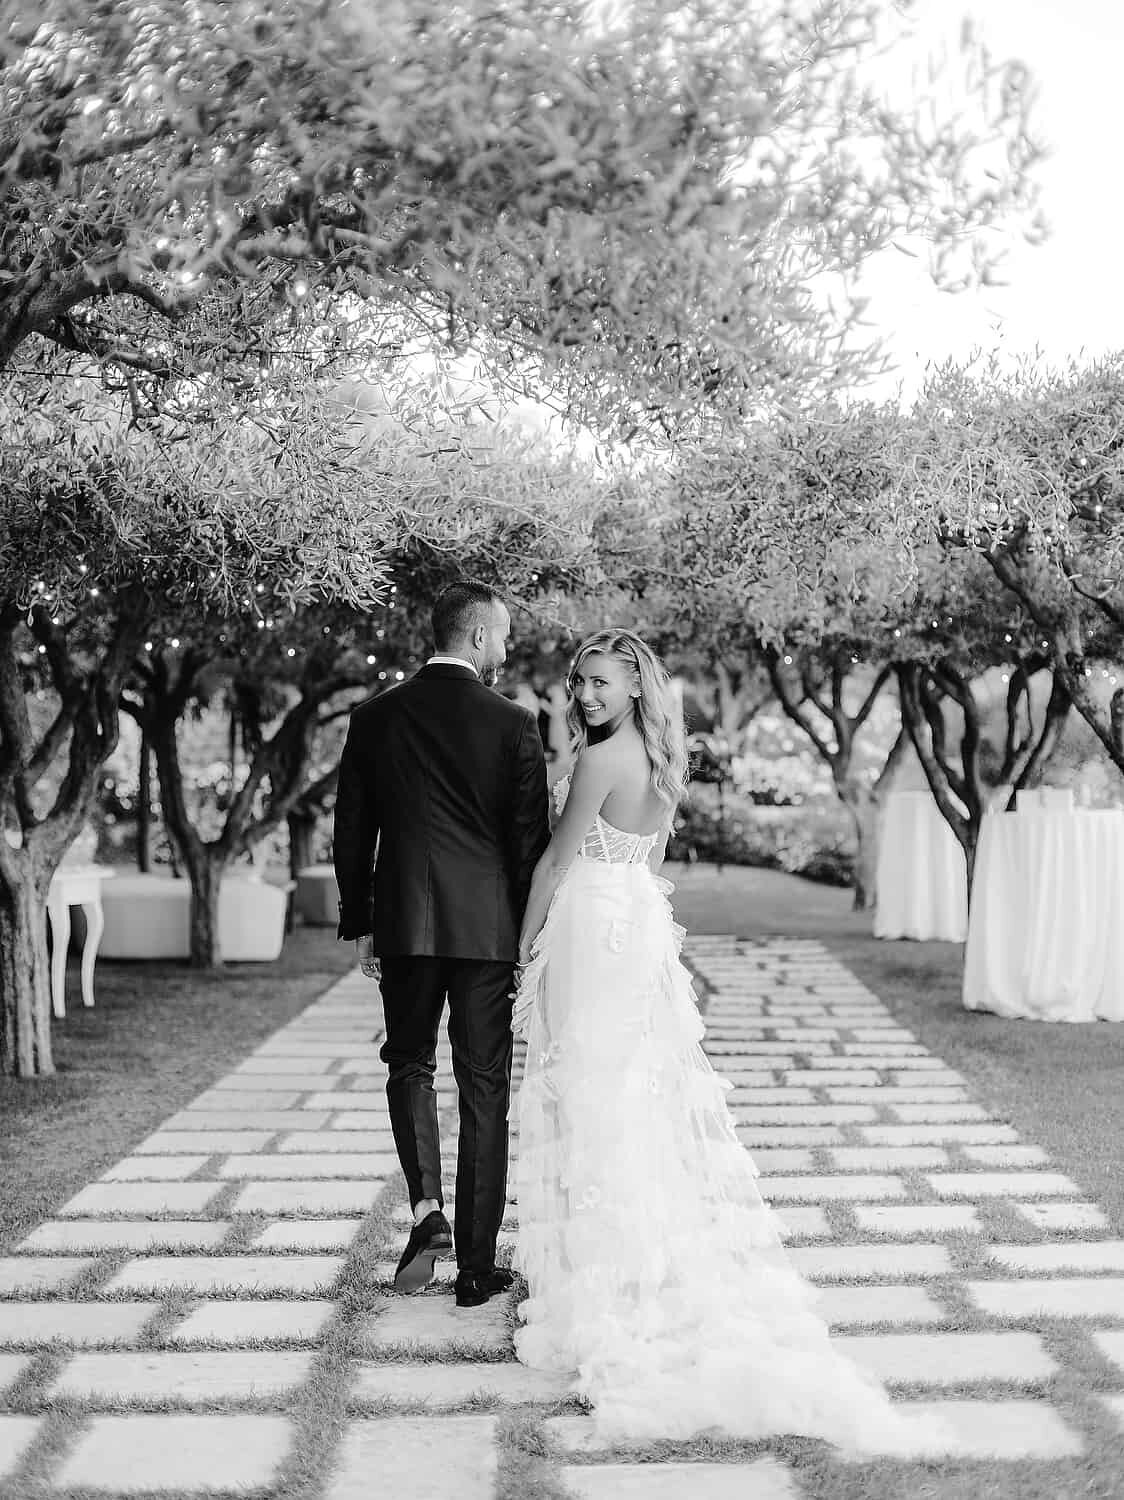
(205, 873)
(302, 829)
(25, 981)
(863, 807)
(144, 806)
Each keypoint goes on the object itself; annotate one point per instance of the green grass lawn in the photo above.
(1059, 1085)
(158, 1034)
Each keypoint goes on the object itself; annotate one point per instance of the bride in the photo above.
(655, 1270)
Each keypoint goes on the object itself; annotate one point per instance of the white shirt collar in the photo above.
(440, 660)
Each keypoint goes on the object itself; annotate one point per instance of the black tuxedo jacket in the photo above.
(448, 779)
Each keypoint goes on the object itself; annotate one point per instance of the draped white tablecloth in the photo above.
(1046, 936)
(922, 883)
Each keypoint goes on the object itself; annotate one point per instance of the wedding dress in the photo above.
(655, 1270)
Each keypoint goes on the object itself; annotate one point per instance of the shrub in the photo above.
(814, 840)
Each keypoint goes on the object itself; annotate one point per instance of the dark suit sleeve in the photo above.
(355, 835)
(529, 817)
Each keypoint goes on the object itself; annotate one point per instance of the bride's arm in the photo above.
(592, 782)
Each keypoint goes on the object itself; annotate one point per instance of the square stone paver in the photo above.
(789, 1135)
(282, 1045)
(939, 1078)
(20, 1274)
(1110, 1341)
(444, 1272)
(888, 1158)
(329, 1197)
(267, 1086)
(202, 1142)
(154, 1169)
(1115, 1405)
(133, 1198)
(949, 1358)
(181, 1377)
(128, 1454)
(81, 1324)
(887, 1094)
(16, 1436)
(439, 1384)
(759, 1479)
(872, 1262)
(1062, 1255)
(354, 1165)
(1007, 1156)
(927, 1218)
(304, 1064)
(319, 1141)
(935, 1135)
(807, 1114)
(937, 1114)
(435, 1325)
(887, 1047)
(423, 1458)
(751, 1064)
(228, 1117)
(783, 1159)
(840, 1306)
(253, 1275)
(783, 1049)
(127, 1234)
(1061, 1297)
(991, 1429)
(818, 1078)
(12, 1367)
(324, 1235)
(1062, 1216)
(233, 1324)
(802, 1223)
(1003, 1185)
(351, 1119)
(757, 1096)
(831, 1189)
(243, 1101)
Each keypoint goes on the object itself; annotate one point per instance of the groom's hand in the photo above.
(364, 952)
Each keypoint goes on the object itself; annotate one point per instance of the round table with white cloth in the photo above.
(922, 881)
(1046, 935)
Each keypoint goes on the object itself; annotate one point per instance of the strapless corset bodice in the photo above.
(604, 842)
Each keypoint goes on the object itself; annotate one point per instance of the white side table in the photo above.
(75, 885)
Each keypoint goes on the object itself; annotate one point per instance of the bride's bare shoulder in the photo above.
(621, 756)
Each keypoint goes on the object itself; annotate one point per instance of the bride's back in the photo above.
(633, 805)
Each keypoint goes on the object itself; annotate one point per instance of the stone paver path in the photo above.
(214, 1315)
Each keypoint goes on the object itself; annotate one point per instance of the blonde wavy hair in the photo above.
(657, 715)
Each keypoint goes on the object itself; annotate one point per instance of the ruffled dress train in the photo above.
(656, 1273)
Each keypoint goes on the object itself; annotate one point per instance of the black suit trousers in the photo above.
(414, 990)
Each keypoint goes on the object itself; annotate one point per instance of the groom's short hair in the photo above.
(459, 608)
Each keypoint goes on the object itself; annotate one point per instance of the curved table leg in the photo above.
(59, 914)
(95, 926)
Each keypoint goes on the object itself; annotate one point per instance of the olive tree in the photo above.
(642, 195)
(106, 528)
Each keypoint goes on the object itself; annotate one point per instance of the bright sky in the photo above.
(1063, 297)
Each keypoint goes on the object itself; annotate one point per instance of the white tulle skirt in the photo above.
(655, 1270)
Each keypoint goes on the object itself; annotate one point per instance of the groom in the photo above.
(448, 780)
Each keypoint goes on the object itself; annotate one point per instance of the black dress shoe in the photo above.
(428, 1240)
(473, 1289)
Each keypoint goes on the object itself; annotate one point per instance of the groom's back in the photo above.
(448, 772)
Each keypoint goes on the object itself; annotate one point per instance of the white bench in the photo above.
(149, 916)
